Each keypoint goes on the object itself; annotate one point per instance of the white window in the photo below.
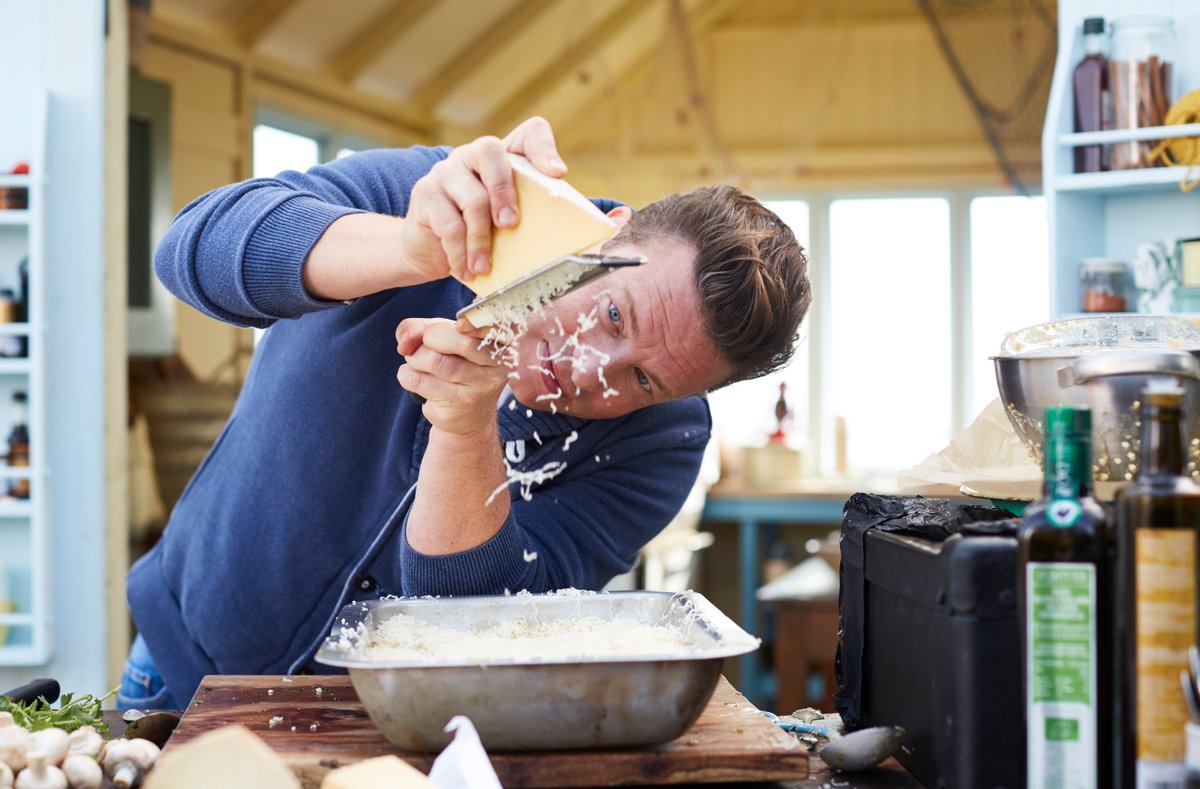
(890, 348)
(1010, 275)
(276, 150)
(889, 365)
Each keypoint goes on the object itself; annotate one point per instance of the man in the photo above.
(330, 483)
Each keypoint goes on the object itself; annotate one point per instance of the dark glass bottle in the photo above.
(1158, 518)
(1090, 85)
(18, 446)
(1065, 613)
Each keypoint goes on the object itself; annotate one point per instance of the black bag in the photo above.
(929, 636)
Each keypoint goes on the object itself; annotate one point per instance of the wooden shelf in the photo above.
(13, 508)
(14, 217)
(1150, 179)
(12, 179)
(1142, 134)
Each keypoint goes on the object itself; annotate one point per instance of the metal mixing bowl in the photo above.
(539, 703)
(1103, 363)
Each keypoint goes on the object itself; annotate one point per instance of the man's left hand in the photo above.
(444, 364)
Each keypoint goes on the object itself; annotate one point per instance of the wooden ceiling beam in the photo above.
(567, 63)
(475, 55)
(220, 49)
(702, 17)
(368, 44)
(257, 20)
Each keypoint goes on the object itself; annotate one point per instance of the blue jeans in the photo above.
(142, 687)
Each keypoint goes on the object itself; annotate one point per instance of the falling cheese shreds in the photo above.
(570, 440)
(512, 405)
(404, 638)
(537, 438)
(529, 556)
(528, 413)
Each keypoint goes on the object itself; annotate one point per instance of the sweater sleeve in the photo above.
(590, 527)
(237, 252)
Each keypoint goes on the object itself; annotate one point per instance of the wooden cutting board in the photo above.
(729, 742)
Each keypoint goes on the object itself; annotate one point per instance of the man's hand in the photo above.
(452, 209)
(444, 364)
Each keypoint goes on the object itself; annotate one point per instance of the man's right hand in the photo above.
(451, 212)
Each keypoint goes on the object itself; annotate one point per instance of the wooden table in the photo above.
(203, 717)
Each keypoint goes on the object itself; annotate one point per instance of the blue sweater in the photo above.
(300, 505)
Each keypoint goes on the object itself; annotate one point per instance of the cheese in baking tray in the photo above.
(554, 221)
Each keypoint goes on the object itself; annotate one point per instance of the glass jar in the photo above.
(1103, 285)
(1140, 80)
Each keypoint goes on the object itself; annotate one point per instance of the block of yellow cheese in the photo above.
(554, 221)
(382, 772)
(231, 757)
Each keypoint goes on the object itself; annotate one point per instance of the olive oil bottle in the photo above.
(1063, 586)
(1158, 520)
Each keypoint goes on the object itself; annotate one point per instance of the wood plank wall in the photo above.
(828, 106)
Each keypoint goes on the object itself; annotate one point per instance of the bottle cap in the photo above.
(1067, 420)
(19, 397)
(1092, 25)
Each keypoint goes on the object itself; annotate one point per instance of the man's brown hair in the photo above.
(751, 272)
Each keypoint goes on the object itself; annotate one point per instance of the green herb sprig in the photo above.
(74, 712)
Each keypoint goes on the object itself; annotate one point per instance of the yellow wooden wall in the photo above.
(822, 105)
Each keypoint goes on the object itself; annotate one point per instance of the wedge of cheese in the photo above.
(555, 221)
(382, 772)
(231, 757)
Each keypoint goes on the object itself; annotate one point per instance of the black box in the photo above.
(939, 652)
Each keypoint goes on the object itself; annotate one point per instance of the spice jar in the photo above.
(1140, 77)
(1103, 285)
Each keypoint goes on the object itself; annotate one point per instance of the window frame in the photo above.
(821, 417)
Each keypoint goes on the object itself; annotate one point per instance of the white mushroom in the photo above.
(83, 772)
(6, 776)
(52, 742)
(40, 774)
(125, 761)
(85, 741)
(14, 745)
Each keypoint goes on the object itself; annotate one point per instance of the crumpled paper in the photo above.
(463, 764)
(986, 460)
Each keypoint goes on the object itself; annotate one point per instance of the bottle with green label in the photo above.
(1157, 539)
(1063, 578)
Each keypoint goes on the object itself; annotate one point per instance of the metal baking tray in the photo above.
(539, 704)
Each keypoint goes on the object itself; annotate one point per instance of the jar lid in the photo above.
(1093, 25)
(1103, 266)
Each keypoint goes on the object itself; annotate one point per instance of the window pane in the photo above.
(744, 413)
(276, 150)
(1010, 280)
(890, 347)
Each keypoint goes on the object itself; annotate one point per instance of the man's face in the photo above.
(624, 341)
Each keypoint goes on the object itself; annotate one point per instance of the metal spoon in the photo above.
(858, 750)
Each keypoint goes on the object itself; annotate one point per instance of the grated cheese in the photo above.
(404, 638)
